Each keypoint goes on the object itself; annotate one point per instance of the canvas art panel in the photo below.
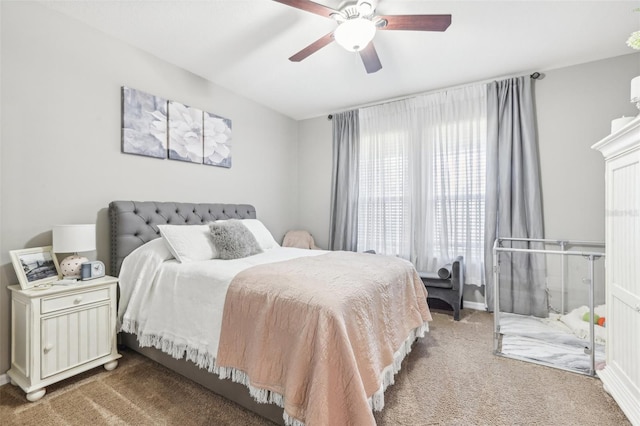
(35, 267)
(185, 133)
(144, 124)
(217, 140)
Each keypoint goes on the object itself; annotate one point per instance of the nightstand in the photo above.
(61, 331)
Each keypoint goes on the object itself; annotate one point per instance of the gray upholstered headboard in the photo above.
(134, 223)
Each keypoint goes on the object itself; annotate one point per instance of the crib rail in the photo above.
(564, 251)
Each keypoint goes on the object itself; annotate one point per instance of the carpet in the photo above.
(450, 378)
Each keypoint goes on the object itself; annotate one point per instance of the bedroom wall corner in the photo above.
(61, 161)
(314, 180)
(574, 107)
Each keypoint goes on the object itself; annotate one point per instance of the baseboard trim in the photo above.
(4, 379)
(622, 389)
(478, 306)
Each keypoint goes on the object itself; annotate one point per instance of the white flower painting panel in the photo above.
(217, 140)
(144, 124)
(185, 133)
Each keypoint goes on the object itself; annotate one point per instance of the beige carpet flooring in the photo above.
(450, 378)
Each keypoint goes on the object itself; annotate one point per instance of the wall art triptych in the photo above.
(156, 127)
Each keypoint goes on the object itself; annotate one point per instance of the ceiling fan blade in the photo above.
(416, 22)
(312, 48)
(370, 59)
(310, 6)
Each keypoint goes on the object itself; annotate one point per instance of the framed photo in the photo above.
(35, 266)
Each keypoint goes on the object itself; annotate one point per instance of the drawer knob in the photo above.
(77, 300)
(48, 348)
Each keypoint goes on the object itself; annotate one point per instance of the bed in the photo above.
(320, 334)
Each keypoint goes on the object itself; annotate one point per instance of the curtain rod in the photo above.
(534, 76)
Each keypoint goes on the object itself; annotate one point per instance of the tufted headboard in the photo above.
(134, 223)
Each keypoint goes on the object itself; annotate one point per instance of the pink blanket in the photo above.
(321, 330)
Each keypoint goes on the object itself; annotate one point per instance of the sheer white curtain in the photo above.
(422, 179)
(384, 198)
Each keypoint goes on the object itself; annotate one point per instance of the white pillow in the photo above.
(188, 243)
(157, 248)
(262, 234)
(581, 328)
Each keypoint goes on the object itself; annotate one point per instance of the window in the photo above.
(459, 197)
(383, 207)
(422, 179)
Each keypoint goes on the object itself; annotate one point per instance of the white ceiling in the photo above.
(243, 45)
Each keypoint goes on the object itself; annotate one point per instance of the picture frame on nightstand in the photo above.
(35, 267)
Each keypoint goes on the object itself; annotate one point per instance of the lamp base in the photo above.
(71, 266)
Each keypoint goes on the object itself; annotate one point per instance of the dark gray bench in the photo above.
(448, 290)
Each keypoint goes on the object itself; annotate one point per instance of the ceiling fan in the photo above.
(357, 25)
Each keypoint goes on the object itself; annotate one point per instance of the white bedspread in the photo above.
(178, 308)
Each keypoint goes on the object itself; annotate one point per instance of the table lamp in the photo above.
(73, 239)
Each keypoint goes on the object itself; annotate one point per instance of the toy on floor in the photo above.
(597, 319)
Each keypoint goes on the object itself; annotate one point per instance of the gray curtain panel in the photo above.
(513, 198)
(343, 232)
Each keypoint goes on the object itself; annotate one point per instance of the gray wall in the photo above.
(314, 181)
(60, 148)
(575, 106)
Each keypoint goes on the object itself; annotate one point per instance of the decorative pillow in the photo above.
(233, 240)
(444, 273)
(263, 236)
(189, 242)
(157, 248)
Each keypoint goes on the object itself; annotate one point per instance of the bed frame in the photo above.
(134, 223)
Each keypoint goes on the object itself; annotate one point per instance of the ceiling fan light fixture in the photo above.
(355, 34)
(365, 8)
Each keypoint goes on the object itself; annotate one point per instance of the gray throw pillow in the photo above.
(233, 240)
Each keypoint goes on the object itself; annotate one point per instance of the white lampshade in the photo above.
(635, 91)
(355, 34)
(73, 239)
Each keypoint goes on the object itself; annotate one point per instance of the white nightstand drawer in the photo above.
(53, 304)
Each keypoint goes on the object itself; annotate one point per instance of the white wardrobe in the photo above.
(621, 376)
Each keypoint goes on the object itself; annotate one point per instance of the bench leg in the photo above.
(456, 310)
